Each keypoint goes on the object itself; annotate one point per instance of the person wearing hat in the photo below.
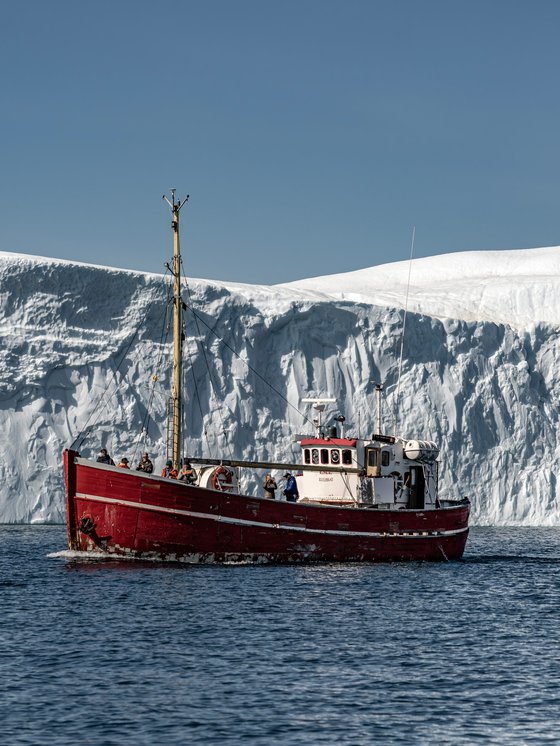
(187, 473)
(168, 470)
(123, 464)
(145, 465)
(291, 491)
(269, 486)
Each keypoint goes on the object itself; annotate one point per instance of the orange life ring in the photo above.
(222, 479)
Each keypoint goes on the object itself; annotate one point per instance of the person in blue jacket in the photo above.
(291, 490)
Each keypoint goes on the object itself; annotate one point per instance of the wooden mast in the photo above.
(176, 393)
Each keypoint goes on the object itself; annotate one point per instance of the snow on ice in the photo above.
(80, 345)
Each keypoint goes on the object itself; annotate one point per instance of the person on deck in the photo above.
(291, 490)
(104, 458)
(145, 464)
(123, 464)
(168, 470)
(269, 486)
(187, 474)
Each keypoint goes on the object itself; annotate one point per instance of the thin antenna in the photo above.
(395, 407)
(378, 390)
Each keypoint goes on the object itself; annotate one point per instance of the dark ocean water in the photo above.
(129, 653)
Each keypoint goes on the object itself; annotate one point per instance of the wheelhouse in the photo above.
(385, 472)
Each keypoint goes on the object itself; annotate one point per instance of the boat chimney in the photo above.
(333, 432)
(341, 419)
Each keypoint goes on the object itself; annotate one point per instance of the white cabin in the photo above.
(386, 472)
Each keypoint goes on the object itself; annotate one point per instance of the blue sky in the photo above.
(311, 135)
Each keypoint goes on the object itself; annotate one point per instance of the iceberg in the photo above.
(85, 356)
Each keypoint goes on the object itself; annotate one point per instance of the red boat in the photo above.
(372, 499)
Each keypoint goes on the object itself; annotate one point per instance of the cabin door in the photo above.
(372, 462)
(417, 488)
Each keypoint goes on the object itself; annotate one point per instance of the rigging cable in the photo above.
(165, 329)
(395, 406)
(243, 360)
(197, 394)
(104, 399)
(203, 350)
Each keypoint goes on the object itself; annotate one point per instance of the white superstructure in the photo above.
(393, 472)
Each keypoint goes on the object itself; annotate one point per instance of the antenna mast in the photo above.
(378, 390)
(176, 393)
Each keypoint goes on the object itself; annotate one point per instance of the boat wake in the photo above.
(70, 554)
(98, 556)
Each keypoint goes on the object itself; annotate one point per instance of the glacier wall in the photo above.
(84, 352)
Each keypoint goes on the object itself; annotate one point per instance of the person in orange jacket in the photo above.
(168, 470)
(124, 463)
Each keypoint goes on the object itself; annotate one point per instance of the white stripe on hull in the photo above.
(262, 524)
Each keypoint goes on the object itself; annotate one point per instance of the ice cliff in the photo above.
(85, 348)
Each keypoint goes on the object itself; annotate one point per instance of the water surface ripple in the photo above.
(109, 652)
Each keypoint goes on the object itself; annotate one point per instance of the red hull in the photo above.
(128, 513)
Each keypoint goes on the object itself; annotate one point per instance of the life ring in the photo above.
(222, 479)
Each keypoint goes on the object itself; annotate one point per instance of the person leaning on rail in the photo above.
(187, 473)
(269, 486)
(291, 491)
(145, 464)
(168, 470)
(104, 458)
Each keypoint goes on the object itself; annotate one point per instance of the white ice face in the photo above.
(480, 375)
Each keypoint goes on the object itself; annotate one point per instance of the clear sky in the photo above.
(311, 135)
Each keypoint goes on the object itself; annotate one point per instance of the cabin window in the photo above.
(384, 458)
(306, 456)
(372, 458)
(347, 457)
(335, 456)
(315, 455)
(324, 456)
